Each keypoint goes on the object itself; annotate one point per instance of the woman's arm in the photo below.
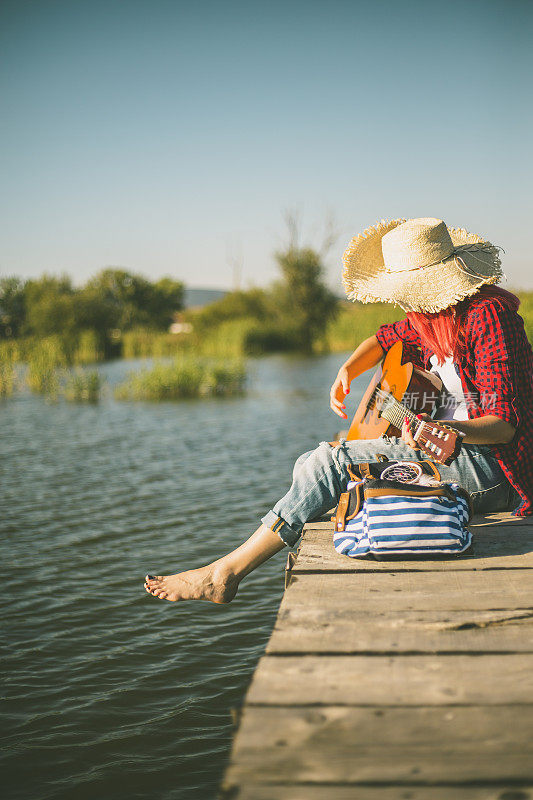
(488, 429)
(482, 430)
(367, 355)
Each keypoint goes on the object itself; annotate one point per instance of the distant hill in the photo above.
(202, 297)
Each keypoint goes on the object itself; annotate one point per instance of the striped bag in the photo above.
(387, 519)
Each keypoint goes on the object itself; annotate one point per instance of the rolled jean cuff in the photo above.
(278, 525)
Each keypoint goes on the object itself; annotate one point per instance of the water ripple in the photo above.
(109, 692)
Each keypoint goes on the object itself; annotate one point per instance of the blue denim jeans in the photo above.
(320, 476)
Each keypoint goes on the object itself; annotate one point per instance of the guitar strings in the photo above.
(396, 412)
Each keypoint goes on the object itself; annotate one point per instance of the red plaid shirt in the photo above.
(497, 378)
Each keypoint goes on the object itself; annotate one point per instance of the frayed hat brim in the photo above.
(430, 289)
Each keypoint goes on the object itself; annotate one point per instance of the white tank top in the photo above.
(453, 403)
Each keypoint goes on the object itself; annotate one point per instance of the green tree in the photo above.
(253, 304)
(12, 307)
(123, 292)
(166, 300)
(50, 306)
(305, 303)
(136, 301)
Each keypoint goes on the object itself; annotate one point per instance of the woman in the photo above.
(459, 325)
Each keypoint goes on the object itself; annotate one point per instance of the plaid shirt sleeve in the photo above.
(387, 335)
(495, 342)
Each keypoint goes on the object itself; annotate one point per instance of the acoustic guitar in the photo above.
(402, 390)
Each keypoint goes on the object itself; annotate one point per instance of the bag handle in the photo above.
(353, 475)
(364, 469)
(432, 467)
(339, 517)
(341, 512)
(411, 490)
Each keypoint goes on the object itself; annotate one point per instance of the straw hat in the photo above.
(419, 264)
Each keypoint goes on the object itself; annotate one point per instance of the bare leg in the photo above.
(315, 485)
(218, 581)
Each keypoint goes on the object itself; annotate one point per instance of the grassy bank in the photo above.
(186, 377)
(43, 369)
(47, 374)
(224, 339)
(82, 386)
(83, 348)
(356, 322)
(237, 338)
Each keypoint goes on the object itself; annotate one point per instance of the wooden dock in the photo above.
(389, 680)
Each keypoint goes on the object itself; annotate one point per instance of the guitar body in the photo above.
(416, 388)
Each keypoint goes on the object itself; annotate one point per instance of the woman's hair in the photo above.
(444, 332)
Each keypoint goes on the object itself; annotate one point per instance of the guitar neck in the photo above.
(439, 441)
(395, 411)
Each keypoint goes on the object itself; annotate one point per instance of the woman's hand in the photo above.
(339, 390)
(407, 433)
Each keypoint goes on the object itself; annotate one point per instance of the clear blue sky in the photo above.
(166, 136)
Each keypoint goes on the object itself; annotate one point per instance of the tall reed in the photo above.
(186, 377)
(526, 312)
(88, 348)
(356, 322)
(44, 364)
(146, 343)
(8, 359)
(226, 340)
(82, 386)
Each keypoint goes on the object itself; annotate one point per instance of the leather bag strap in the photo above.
(339, 518)
(410, 491)
(345, 501)
(351, 472)
(364, 469)
(358, 500)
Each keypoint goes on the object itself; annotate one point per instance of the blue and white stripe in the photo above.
(407, 525)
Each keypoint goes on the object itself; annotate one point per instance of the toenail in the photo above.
(150, 577)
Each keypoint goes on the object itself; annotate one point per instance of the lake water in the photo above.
(108, 692)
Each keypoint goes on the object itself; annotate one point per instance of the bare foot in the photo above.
(212, 583)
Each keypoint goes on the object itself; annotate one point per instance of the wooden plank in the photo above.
(330, 791)
(396, 680)
(376, 592)
(494, 548)
(422, 680)
(306, 627)
(334, 744)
